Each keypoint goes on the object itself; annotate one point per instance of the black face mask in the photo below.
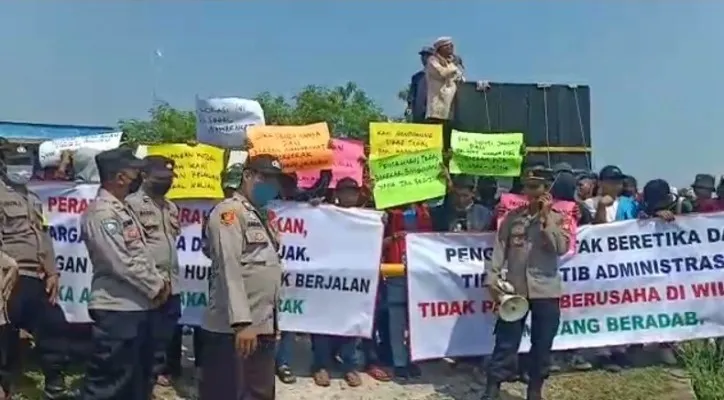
(160, 188)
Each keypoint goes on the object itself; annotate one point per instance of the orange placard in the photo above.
(297, 147)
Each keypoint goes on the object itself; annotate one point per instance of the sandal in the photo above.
(285, 374)
(378, 374)
(353, 379)
(321, 378)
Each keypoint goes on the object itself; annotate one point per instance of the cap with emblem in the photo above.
(704, 181)
(265, 164)
(111, 162)
(538, 173)
(232, 177)
(17, 154)
(158, 165)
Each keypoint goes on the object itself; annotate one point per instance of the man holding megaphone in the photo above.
(524, 277)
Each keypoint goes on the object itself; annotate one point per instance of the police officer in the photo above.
(159, 219)
(126, 286)
(8, 278)
(529, 241)
(240, 322)
(33, 303)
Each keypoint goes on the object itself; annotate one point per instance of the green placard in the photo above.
(407, 178)
(491, 154)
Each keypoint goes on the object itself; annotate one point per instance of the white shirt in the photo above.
(592, 205)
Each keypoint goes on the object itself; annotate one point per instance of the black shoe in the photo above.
(534, 391)
(492, 391)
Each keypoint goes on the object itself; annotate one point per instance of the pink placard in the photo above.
(509, 201)
(347, 153)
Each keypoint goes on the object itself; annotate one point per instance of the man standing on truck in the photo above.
(417, 94)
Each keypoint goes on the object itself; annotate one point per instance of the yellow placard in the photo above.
(198, 170)
(297, 147)
(389, 138)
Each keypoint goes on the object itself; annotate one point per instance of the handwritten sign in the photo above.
(407, 178)
(486, 154)
(509, 201)
(297, 147)
(49, 152)
(198, 170)
(346, 164)
(389, 139)
(223, 121)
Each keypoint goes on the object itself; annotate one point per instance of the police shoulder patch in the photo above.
(111, 226)
(228, 217)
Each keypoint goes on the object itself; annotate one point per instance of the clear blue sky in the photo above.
(655, 67)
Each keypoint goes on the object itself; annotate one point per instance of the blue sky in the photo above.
(655, 68)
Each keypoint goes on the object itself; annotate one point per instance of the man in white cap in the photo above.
(443, 72)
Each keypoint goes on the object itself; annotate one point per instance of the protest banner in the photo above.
(393, 138)
(314, 277)
(323, 291)
(569, 209)
(489, 154)
(346, 164)
(198, 170)
(305, 147)
(49, 152)
(629, 282)
(223, 122)
(407, 178)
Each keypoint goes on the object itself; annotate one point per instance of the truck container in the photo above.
(555, 119)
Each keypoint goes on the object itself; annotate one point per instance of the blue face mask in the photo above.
(263, 193)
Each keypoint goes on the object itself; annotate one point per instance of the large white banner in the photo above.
(324, 263)
(629, 282)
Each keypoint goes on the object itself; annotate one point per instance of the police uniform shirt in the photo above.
(22, 236)
(161, 227)
(125, 277)
(530, 253)
(245, 269)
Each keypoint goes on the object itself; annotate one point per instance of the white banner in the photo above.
(629, 282)
(223, 122)
(324, 263)
(49, 152)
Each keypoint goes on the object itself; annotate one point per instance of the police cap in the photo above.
(265, 164)
(111, 162)
(704, 181)
(538, 173)
(158, 165)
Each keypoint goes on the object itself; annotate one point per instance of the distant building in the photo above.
(25, 132)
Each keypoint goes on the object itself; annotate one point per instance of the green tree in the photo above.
(347, 109)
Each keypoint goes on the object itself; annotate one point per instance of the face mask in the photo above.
(160, 188)
(263, 193)
(19, 174)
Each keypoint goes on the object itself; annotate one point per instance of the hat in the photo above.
(159, 164)
(657, 195)
(464, 181)
(611, 173)
(586, 175)
(265, 164)
(347, 183)
(426, 50)
(562, 167)
(442, 41)
(538, 173)
(17, 152)
(115, 160)
(231, 178)
(704, 181)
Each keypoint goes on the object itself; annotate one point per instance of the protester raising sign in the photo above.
(490, 154)
(198, 170)
(347, 154)
(629, 282)
(314, 277)
(223, 121)
(299, 148)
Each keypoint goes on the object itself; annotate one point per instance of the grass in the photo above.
(704, 362)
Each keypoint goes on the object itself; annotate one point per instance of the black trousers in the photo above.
(446, 130)
(226, 376)
(545, 319)
(28, 308)
(121, 365)
(164, 324)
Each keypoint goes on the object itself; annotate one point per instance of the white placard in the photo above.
(49, 152)
(629, 282)
(223, 122)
